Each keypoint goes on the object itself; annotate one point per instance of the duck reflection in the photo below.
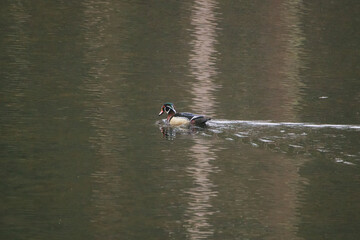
(170, 132)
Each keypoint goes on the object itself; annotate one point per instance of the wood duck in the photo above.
(177, 119)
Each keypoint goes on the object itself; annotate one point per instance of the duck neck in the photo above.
(170, 115)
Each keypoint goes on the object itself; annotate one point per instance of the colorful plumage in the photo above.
(176, 119)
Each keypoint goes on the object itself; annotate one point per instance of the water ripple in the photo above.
(333, 141)
(232, 123)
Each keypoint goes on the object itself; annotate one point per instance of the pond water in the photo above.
(84, 154)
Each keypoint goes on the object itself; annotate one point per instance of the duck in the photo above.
(182, 118)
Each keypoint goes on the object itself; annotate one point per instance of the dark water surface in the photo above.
(84, 155)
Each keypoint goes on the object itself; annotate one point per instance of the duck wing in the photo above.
(193, 118)
(185, 115)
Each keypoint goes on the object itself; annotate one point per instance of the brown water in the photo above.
(85, 156)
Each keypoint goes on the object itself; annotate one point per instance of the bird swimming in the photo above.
(181, 118)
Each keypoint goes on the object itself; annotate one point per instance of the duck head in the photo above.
(169, 108)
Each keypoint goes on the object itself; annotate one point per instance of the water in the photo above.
(85, 156)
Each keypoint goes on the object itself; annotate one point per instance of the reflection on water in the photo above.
(81, 82)
(203, 67)
(293, 54)
(283, 59)
(202, 62)
(270, 195)
(101, 106)
(200, 196)
(15, 79)
(203, 56)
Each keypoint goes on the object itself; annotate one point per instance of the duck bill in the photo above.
(161, 112)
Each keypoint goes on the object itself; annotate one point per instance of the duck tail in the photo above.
(200, 121)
